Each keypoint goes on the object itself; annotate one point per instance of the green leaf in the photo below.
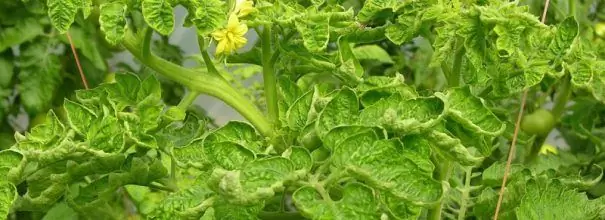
(209, 16)
(373, 53)
(106, 134)
(228, 155)
(62, 14)
(61, 211)
(7, 70)
(406, 28)
(8, 194)
(40, 77)
(177, 203)
(238, 132)
(158, 14)
(509, 38)
(565, 34)
(373, 8)
(339, 134)
(191, 154)
(470, 112)
(341, 110)
(79, 117)
(48, 132)
(24, 30)
(10, 159)
(582, 72)
(407, 116)
(399, 209)
(492, 176)
(227, 211)
(315, 31)
(180, 134)
(358, 202)
(261, 178)
(125, 91)
(113, 21)
(289, 91)
(451, 147)
(375, 88)
(552, 200)
(298, 113)
(382, 164)
(418, 150)
(300, 157)
(85, 5)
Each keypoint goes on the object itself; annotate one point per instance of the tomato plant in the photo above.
(366, 109)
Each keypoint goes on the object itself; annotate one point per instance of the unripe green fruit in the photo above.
(539, 122)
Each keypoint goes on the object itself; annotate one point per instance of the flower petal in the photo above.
(240, 30)
(220, 47)
(219, 35)
(233, 22)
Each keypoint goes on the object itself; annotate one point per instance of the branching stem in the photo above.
(270, 81)
(202, 82)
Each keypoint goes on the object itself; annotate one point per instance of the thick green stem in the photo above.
(202, 82)
(443, 174)
(270, 81)
(146, 50)
(572, 7)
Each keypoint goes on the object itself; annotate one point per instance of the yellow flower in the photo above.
(547, 148)
(232, 37)
(600, 29)
(244, 7)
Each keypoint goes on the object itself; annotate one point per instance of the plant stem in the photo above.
(270, 82)
(443, 174)
(188, 99)
(465, 193)
(572, 7)
(147, 43)
(453, 79)
(209, 64)
(563, 93)
(280, 215)
(202, 82)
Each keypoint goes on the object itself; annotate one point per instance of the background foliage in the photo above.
(373, 109)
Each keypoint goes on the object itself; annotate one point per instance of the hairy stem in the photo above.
(270, 82)
(443, 174)
(202, 82)
(464, 203)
